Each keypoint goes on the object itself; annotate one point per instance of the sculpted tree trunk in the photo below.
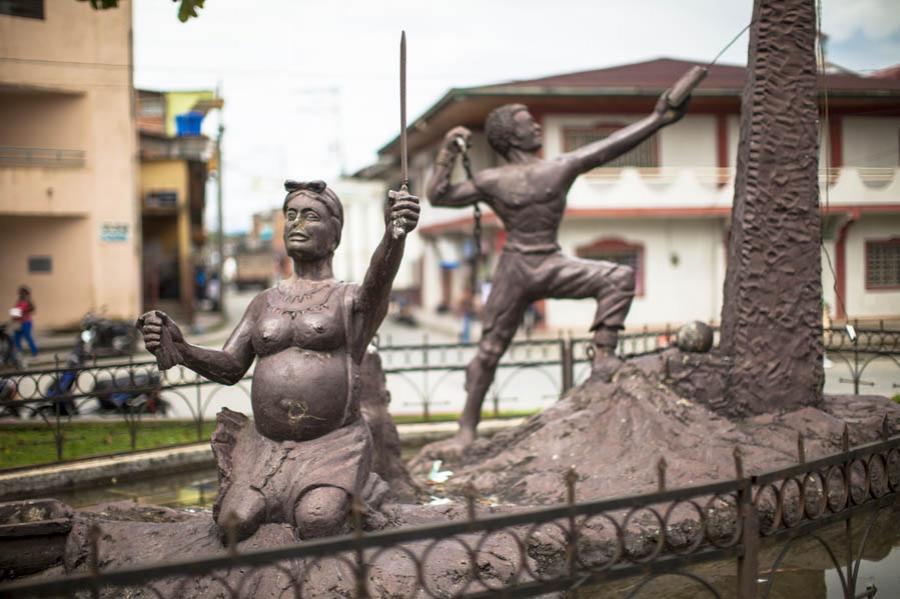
(771, 317)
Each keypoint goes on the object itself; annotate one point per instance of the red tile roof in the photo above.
(887, 73)
(660, 73)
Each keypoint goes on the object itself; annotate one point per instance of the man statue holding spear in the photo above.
(528, 194)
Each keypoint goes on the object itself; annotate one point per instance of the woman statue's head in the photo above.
(313, 219)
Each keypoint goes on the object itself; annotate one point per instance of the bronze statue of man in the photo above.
(528, 194)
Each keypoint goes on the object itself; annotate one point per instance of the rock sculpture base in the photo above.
(660, 406)
(612, 432)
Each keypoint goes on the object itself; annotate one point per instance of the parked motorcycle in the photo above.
(58, 393)
(139, 393)
(9, 357)
(8, 393)
(107, 337)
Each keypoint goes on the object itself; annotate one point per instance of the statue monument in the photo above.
(292, 470)
(307, 450)
(528, 194)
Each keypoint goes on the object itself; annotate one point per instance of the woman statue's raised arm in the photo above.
(374, 294)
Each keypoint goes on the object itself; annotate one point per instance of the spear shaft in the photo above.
(397, 229)
(404, 167)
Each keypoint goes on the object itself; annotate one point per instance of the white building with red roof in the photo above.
(665, 206)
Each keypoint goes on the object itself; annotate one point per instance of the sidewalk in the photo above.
(209, 327)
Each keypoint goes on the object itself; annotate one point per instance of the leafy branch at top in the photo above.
(186, 9)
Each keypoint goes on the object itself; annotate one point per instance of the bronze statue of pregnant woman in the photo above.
(307, 450)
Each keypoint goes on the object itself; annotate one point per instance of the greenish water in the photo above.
(196, 489)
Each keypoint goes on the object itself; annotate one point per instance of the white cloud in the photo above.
(875, 19)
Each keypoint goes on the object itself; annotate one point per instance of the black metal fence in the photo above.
(750, 525)
(426, 378)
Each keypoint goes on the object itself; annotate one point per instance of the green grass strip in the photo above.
(33, 443)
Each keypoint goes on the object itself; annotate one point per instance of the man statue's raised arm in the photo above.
(600, 152)
(441, 192)
(669, 109)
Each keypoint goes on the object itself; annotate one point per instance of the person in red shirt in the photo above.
(25, 309)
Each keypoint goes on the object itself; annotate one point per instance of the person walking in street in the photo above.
(22, 314)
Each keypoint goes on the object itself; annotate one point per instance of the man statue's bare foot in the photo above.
(454, 447)
(605, 363)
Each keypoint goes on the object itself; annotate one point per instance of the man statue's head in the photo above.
(512, 126)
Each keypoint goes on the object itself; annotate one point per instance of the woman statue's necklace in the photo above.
(292, 304)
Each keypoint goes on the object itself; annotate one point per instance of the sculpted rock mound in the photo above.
(613, 433)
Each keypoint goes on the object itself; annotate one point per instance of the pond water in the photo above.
(807, 572)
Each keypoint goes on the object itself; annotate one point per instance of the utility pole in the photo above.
(220, 241)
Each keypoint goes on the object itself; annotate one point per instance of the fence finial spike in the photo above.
(94, 534)
(845, 438)
(661, 466)
(471, 494)
(885, 427)
(571, 478)
(229, 523)
(356, 512)
(738, 462)
(801, 448)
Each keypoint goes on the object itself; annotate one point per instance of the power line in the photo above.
(820, 51)
(729, 44)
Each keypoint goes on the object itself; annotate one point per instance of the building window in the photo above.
(151, 106)
(620, 252)
(883, 264)
(29, 9)
(40, 264)
(166, 199)
(644, 155)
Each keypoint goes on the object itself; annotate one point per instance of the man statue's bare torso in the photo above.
(530, 199)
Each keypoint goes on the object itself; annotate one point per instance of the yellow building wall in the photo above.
(168, 175)
(159, 175)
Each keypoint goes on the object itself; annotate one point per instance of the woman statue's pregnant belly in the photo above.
(299, 395)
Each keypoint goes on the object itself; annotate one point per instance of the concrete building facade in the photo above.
(665, 207)
(69, 212)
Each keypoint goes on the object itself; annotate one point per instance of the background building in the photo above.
(69, 216)
(664, 207)
(175, 159)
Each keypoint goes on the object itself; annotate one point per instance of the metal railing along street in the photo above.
(425, 378)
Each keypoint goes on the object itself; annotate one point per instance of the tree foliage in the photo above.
(186, 8)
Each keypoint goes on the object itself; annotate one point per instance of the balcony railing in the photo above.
(699, 187)
(15, 156)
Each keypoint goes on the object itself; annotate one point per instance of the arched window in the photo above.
(613, 249)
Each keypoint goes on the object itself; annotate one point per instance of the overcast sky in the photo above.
(311, 85)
